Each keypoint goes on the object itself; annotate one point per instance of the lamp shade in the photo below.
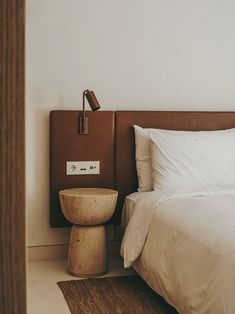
(93, 102)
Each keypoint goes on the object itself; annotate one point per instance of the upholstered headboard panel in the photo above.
(66, 144)
(126, 178)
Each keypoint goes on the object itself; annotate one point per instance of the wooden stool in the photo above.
(88, 209)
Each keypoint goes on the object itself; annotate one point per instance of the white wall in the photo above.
(135, 54)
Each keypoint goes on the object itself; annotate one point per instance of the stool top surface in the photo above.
(87, 192)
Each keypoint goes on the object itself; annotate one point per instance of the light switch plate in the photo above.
(82, 167)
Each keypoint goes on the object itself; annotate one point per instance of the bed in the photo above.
(180, 227)
(184, 250)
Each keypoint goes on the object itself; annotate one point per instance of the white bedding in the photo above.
(184, 249)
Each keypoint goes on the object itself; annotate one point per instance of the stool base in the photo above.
(87, 251)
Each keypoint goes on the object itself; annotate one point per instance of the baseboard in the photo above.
(60, 251)
(38, 253)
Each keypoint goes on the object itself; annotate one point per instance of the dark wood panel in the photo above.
(12, 182)
(66, 144)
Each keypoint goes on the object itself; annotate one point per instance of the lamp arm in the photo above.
(83, 103)
(83, 110)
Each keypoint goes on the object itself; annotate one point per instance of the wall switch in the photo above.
(82, 167)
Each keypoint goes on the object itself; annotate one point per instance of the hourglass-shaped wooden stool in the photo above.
(88, 209)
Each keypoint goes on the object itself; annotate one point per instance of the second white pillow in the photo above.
(143, 159)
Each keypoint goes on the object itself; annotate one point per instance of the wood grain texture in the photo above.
(12, 156)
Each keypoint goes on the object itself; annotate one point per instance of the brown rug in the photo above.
(116, 295)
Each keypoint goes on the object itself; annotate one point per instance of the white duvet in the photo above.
(184, 249)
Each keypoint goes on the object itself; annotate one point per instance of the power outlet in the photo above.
(82, 167)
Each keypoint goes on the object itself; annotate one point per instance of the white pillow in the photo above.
(143, 159)
(193, 163)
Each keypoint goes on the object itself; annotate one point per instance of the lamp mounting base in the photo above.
(83, 126)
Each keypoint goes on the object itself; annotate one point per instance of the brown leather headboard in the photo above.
(111, 140)
(126, 178)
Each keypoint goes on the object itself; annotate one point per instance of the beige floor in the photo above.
(43, 294)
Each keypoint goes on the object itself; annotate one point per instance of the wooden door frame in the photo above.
(12, 158)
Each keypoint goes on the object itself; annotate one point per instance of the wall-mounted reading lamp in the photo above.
(94, 104)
